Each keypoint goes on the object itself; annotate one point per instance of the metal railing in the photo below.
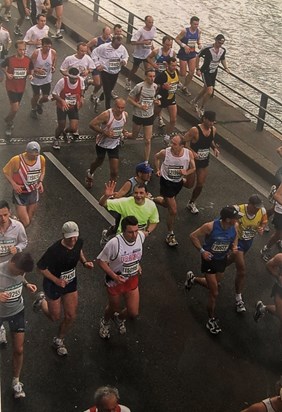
(258, 110)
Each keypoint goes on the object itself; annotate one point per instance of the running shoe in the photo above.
(8, 131)
(96, 102)
(75, 136)
(36, 306)
(39, 108)
(192, 207)
(161, 122)
(114, 94)
(213, 327)
(266, 228)
(190, 280)
(185, 91)
(127, 84)
(240, 307)
(166, 139)
(265, 254)
(171, 240)
(9, 14)
(104, 330)
(56, 144)
(57, 36)
(59, 345)
(120, 324)
(3, 337)
(17, 31)
(18, 390)
(89, 179)
(33, 114)
(273, 190)
(259, 311)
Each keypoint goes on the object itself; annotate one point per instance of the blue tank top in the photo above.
(190, 39)
(101, 41)
(220, 240)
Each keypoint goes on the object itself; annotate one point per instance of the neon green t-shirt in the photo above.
(126, 206)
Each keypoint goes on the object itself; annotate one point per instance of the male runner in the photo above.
(106, 399)
(35, 34)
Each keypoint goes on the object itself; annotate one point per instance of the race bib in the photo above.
(174, 172)
(41, 75)
(5, 245)
(161, 67)
(114, 65)
(203, 154)
(147, 46)
(33, 176)
(20, 73)
(191, 43)
(14, 292)
(213, 66)
(220, 247)
(71, 99)
(68, 275)
(117, 132)
(248, 234)
(147, 100)
(130, 269)
(173, 87)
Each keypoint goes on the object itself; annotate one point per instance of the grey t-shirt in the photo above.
(13, 285)
(144, 94)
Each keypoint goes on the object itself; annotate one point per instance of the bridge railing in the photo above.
(254, 102)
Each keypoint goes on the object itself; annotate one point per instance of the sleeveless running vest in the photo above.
(28, 176)
(220, 240)
(173, 80)
(71, 96)
(248, 225)
(116, 126)
(190, 39)
(162, 59)
(45, 64)
(172, 165)
(202, 147)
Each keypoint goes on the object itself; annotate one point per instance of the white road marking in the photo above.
(91, 199)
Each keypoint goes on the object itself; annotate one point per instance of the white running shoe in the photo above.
(127, 84)
(273, 190)
(56, 144)
(240, 307)
(265, 254)
(166, 139)
(3, 337)
(171, 240)
(120, 324)
(18, 390)
(192, 207)
(213, 327)
(36, 306)
(259, 311)
(104, 330)
(189, 282)
(60, 346)
(161, 122)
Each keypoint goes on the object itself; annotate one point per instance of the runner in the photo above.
(212, 56)
(137, 205)
(200, 139)
(35, 34)
(13, 237)
(6, 5)
(58, 267)
(187, 40)
(142, 40)
(16, 69)
(44, 61)
(25, 173)
(109, 126)
(220, 236)
(5, 44)
(79, 60)
(120, 260)
(168, 82)
(69, 96)
(175, 166)
(12, 280)
(252, 222)
(143, 99)
(24, 12)
(59, 9)
(106, 399)
(274, 266)
(108, 59)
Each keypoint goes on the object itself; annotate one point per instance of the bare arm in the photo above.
(99, 120)
(274, 266)
(198, 235)
(160, 156)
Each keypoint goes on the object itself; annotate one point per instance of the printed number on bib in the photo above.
(130, 269)
(68, 275)
(32, 177)
(20, 73)
(203, 154)
(173, 87)
(71, 99)
(174, 172)
(219, 247)
(14, 292)
(213, 66)
(5, 245)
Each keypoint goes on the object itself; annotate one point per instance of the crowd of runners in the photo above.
(182, 164)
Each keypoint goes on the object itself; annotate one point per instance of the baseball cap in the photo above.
(32, 147)
(70, 229)
(255, 200)
(144, 168)
(230, 212)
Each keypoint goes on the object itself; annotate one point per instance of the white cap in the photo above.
(32, 147)
(70, 229)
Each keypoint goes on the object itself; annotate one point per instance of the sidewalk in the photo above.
(236, 133)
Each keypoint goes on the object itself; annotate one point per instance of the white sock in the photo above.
(238, 297)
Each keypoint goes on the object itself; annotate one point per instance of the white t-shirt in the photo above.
(142, 51)
(86, 63)
(34, 33)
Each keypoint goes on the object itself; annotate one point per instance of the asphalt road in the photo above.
(167, 360)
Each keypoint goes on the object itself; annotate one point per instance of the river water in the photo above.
(252, 28)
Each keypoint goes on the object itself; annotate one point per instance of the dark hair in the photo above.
(40, 15)
(194, 18)
(150, 70)
(165, 38)
(73, 71)
(182, 140)
(146, 17)
(128, 221)
(210, 115)
(219, 37)
(140, 186)
(18, 42)
(171, 60)
(117, 26)
(46, 40)
(4, 204)
(81, 43)
(23, 261)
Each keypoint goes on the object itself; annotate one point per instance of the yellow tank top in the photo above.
(173, 84)
(248, 226)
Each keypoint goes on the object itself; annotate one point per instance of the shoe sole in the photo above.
(213, 333)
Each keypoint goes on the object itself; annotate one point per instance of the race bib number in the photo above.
(71, 99)
(213, 66)
(114, 65)
(219, 247)
(174, 172)
(203, 154)
(41, 75)
(147, 46)
(130, 269)
(173, 87)
(147, 100)
(161, 67)
(20, 73)
(248, 234)
(5, 245)
(191, 43)
(68, 275)
(117, 132)
(33, 176)
(14, 292)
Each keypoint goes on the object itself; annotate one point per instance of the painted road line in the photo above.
(91, 199)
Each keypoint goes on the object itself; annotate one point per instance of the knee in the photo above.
(214, 294)
(172, 211)
(70, 316)
(54, 317)
(18, 350)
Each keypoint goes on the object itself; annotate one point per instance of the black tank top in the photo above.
(202, 148)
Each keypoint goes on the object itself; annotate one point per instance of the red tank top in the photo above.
(71, 96)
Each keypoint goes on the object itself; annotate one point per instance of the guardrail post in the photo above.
(129, 27)
(96, 10)
(261, 115)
